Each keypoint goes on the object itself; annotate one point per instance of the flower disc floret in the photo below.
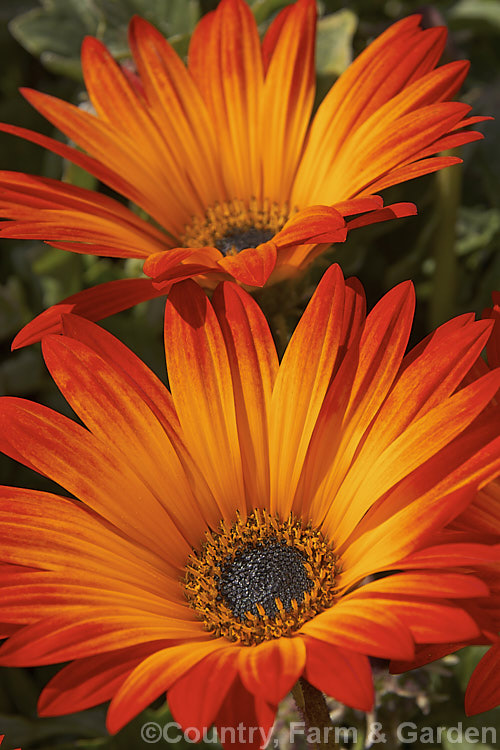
(232, 226)
(261, 578)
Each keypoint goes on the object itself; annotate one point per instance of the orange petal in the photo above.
(68, 454)
(270, 669)
(428, 622)
(254, 365)
(204, 400)
(115, 412)
(363, 626)
(154, 676)
(430, 374)
(175, 104)
(95, 167)
(244, 720)
(253, 265)
(370, 479)
(369, 551)
(94, 304)
(393, 211)
(87, 683)
(27, 197)
(106, 345)
(299, 391)
(29, 516)
(354, 398)
(315, 224)
(86, 633)
(285, 117)
(152, 390)
(44, 594)
(457, 554)
(152, 187)
(182, 263)
(483, 690)
(426, 583)
(376, 75)
(225, 60)
(129, 116)
(196, 698)
(341, 673)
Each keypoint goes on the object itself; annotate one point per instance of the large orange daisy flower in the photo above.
(223, 157)
(224, 538)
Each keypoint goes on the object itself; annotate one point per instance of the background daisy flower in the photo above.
(223, 157)
(230, 533)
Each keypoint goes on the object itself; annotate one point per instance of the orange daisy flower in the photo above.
(223, 158)
(224, 539)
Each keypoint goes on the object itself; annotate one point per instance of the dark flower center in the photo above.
(261, 578)
(233, 242)
(262, 574)
(235, 225)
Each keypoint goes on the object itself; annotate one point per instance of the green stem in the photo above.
(449, 188)
(313, 709)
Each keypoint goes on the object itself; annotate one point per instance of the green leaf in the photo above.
(334, 42)
(27, 732)
(264, 9)
(485, 13)
(19, 683)
(55, 31)
(469, 658)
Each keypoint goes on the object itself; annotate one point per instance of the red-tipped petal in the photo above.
(483, 690)
(94, 304)
(251, 266)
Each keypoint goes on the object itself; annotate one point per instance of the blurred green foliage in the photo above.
(454, 270)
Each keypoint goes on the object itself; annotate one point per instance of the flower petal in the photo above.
(205, 401)
(81, 634)
(51, 210)
(116, 413)
(89, 682)
(254, 365)
(196, 698)
(483, 690)
(284, 119)
(59, 448)
(154, 676)
(177, 108)
(94, 304)
(272, 668)
(29, 517)
(354, 398)
(251, 266)
(362, 626)
(341, 673)
(299, 391)
(226, 63)
(244, 719)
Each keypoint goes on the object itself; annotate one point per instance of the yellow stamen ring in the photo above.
(261, 578)
(235, 225)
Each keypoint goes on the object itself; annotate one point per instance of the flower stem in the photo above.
(312, 706)
(442, 302)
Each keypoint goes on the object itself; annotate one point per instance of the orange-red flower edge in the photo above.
(347, 433)
(222, 155)
(479, 523)
(483, 690)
